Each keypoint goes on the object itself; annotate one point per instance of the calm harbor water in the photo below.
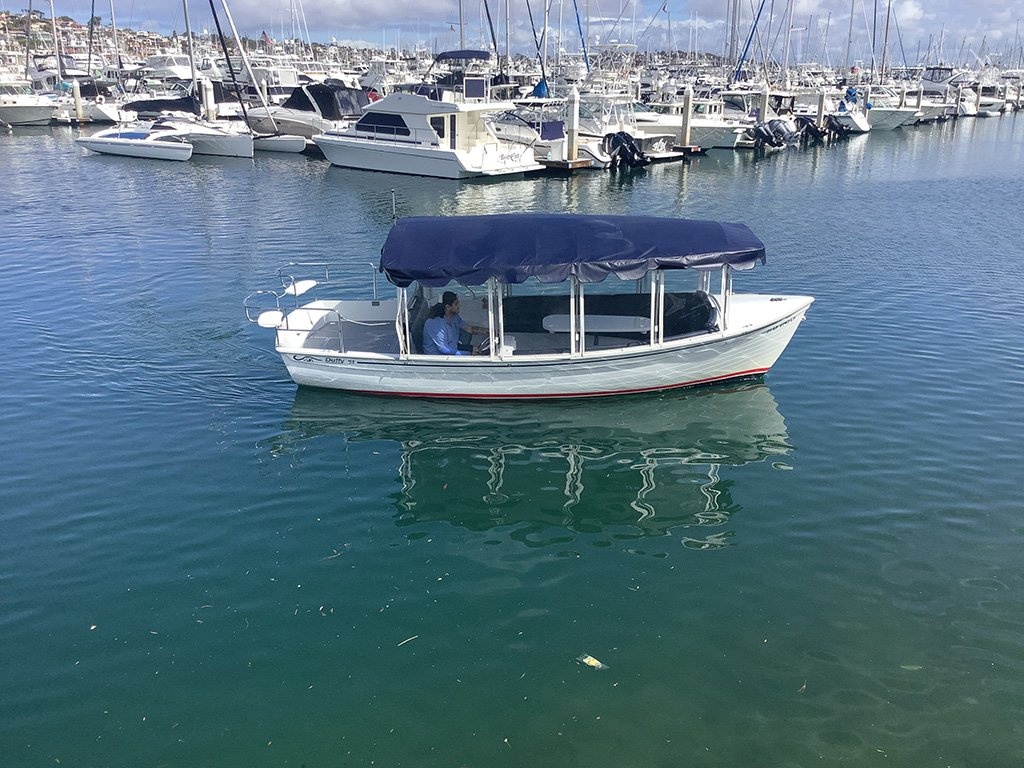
(202, 566)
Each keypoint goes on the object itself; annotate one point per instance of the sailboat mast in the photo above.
(28, 36)
(849, 42)
(885, 42)
(191, 52)
(462, 28)
(117, 50)
(785, 44)
(56, 43)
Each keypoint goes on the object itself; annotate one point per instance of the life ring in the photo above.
(100, 99)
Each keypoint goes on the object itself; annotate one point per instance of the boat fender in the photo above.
(100, 99)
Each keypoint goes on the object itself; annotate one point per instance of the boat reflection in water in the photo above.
(627, 468)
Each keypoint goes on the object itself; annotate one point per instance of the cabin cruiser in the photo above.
(709, 127)
(220, 138)
(311, 109)
(411, 133)
(540, 122)
(20, 105)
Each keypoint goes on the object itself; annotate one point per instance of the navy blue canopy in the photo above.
(463, 55)
(551, 247)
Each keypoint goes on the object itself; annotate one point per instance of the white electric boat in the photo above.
(555, 326)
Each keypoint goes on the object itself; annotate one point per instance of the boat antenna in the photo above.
(394, 206)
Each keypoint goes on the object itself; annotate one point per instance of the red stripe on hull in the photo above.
(641, 390)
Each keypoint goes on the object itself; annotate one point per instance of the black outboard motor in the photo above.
(809, 128)
(835, 127)
(763, 136)
(624, 151)
(782, 132)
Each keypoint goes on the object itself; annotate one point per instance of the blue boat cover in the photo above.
(463, 55)
(551, 247)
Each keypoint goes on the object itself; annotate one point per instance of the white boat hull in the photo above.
(891, 118)
(292, 122)
(715, 136)
(418, 160)
(283, 143)
(854, 122)
(741, 352)
(222, 145)
(126, 146)
(26, 114)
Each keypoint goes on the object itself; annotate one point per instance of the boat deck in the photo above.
(336, 336)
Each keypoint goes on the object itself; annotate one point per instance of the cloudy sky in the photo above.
(951, 30)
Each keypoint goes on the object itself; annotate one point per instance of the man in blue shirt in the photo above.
(442, 329)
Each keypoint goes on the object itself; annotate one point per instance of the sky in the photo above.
(954, 31)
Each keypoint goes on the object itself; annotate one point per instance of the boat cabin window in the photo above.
(298, 100)
(475, 88)
(437, 123)
(383, 123)
(538, 319)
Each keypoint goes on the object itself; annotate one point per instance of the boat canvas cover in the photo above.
(462, 55)
(511, 248)
(334, 98)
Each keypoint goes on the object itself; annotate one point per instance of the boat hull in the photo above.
(417, 160)
(225, 145)
(891, 118)
(282, 143)
(715, 357)
(136, 147)
(26, 114)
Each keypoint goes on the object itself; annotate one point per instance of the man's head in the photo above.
(450, 302)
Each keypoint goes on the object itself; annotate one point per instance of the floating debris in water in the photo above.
(590, 661)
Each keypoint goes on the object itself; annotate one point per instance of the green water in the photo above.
(201, 566)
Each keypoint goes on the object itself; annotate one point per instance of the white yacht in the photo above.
(221, 138)
(142, 140)
(540, 122)
(19, 105)
(889, 109)
(413, 134)
(709, 127)
(170, 67)
(311, 109)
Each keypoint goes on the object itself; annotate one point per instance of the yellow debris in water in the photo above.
(590, 661)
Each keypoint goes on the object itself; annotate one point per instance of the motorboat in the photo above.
(709, 127)
(846, 112)
(414, 134)
(179, 98)
(143, 140)
(888, 116)
(310, 110)
(556, 328)
(540, 122)
(628, 133)
(220, 138)
(19, 105)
